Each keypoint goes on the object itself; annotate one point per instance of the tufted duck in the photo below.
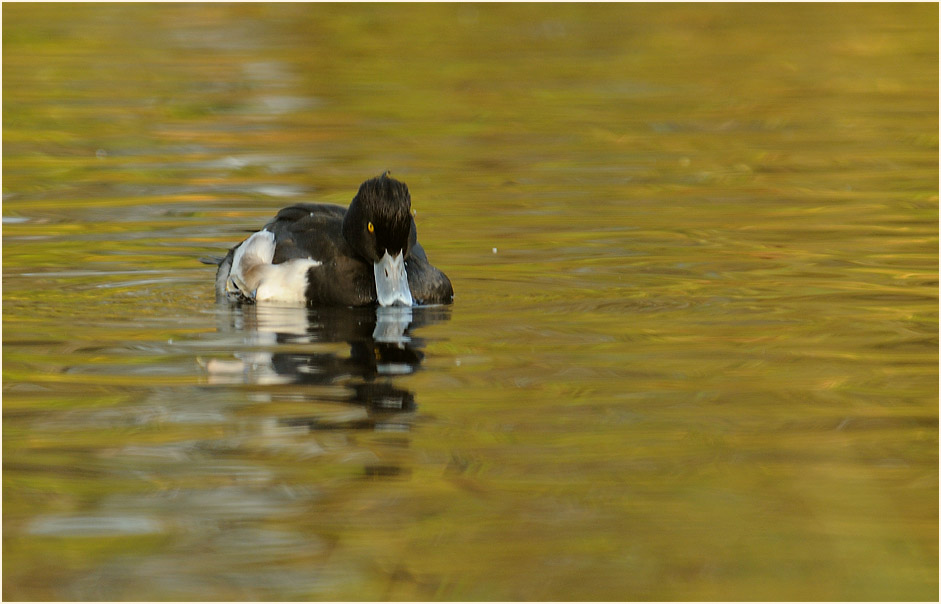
(327, 255)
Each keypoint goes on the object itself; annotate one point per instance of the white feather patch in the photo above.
(285, 282)
(253, 276)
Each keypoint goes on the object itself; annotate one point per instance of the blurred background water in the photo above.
(693, 352)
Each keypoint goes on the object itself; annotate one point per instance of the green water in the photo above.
(693, 352)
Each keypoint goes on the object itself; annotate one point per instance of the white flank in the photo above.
(285, 282)
(253, 276)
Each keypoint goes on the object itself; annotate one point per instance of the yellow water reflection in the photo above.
(693, 352)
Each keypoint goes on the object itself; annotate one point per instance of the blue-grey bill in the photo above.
(392, 280)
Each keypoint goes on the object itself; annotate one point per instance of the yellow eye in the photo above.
(370, 227)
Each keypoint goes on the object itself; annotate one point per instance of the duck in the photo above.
(325, 255)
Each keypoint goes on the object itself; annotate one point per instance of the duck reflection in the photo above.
(298, 347)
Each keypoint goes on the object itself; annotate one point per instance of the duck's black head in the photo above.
(379, 219)
(379, 227)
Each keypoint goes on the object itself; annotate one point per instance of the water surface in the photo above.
(692, 355)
